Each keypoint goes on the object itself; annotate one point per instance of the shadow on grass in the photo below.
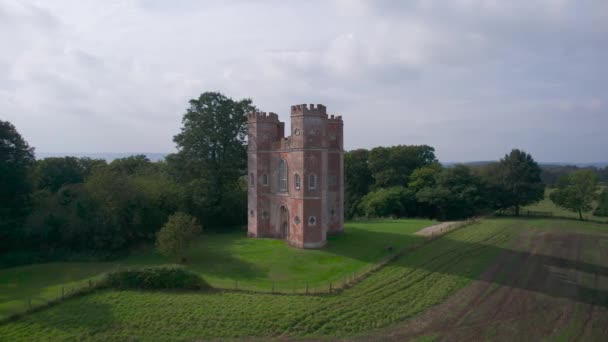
(545, 263)
(91, 317)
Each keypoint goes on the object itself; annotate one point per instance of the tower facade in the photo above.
(296, 183)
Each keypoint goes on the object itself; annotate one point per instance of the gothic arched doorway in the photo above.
(284, 222)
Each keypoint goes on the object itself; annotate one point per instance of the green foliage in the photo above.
(177, 234)
(357, 180)
(211, 158)
(518, 181)
(424, 176)
(576, 191)
(156, 278)
(53, 173)
(457, 193)
(131, 165)
(602, 204)
(16, 161)
(395, 201)
(392, 166)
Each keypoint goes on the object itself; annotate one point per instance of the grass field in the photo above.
(223, 259)
(404, 288)
(531, 279)
(548, 206)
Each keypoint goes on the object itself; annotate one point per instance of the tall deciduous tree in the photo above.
(602, 204)
(392, 166)
(576, 192)
(519, 180)
(53, 173)
(16, 160)
(212, 156)
(357, 179)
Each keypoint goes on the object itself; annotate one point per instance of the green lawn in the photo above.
(224, 259)
(547, 205)
(402, 289)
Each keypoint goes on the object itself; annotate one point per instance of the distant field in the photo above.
(547, 205)
(225, 259)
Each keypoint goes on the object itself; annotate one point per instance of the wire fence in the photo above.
(275, 288)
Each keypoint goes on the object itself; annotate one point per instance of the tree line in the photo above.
(408, 181)
(59, 208)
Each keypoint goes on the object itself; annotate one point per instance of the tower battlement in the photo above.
(263, 116)
(311, 109)
(296, 183)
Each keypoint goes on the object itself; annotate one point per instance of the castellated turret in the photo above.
(296, 183)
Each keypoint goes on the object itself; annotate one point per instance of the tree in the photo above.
(395, 201)
(357, 179)
(602, 204)
(424, 176)
(212, 157)
(392, 166)
(519, 180)
(131, 165)
(457, 193)
(576, 192)
(53, 173)
(16, 161)
(177, 234)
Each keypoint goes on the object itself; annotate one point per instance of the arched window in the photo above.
(264, 179)
(282, 176)
(251, 180)
(296, 181)
(312, 182)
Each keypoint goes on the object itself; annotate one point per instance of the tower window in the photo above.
(282, 176)
(264, 179)
(296, 181)
(312, 182)
(251, 180)
(312, 221)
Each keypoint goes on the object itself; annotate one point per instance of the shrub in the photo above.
(175, 236)
(156, 278)
(602, 205)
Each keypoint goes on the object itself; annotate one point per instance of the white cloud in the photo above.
(117, 75)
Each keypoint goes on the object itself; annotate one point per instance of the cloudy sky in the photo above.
(473, 78)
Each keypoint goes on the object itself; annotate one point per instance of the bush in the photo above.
(602, 205)
(177, 234)
(156, 278)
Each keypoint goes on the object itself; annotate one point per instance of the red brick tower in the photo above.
(296, 184)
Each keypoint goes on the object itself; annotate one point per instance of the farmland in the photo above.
(534, 278)
(227, 260)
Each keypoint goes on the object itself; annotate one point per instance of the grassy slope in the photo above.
(404, 288)
(223, 258)
(547, 205)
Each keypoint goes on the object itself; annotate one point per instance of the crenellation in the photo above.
(314, 147)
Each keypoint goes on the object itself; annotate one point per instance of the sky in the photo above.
(472, 78)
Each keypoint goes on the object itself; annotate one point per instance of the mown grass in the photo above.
(227, 260)
(548, 206)
(402, 289)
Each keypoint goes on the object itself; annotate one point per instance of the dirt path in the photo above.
(549, 284)
(439, 229)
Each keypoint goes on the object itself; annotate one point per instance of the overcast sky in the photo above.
(471, 78)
